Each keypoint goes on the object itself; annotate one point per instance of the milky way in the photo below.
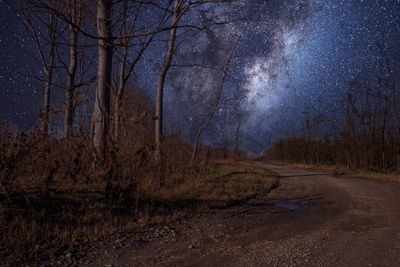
(298, 58)
(336, 43)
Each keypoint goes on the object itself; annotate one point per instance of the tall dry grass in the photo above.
(52, 190)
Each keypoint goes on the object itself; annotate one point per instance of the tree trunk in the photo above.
(122, 75)
(118, 107)
(73, 62)
(119, 94)
(47, 95)
(117, 118)
(161, 81)
(237, 143)
(102, 103)
(196, 145)
(49, 68)
(214, 108)
(383, 138)
(225, 141)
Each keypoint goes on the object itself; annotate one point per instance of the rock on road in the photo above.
(311, 219)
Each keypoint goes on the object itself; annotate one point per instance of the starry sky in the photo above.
(19, 92)
(331, 46)
(294, 55)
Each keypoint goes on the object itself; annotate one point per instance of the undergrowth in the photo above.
(53, 192)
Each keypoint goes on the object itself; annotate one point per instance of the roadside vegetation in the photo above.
(50, 197)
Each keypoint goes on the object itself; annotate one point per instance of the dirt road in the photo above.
(311, 219)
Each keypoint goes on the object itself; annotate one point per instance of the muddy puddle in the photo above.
(291, 205)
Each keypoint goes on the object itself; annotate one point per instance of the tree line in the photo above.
(362, 133)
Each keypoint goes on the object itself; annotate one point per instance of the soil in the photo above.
(311, 219)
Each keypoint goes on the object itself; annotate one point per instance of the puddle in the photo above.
(287, 205)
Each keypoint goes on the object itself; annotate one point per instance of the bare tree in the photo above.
(101, 111)
(42, 26)
(179, 10)
(214, 108)
(126, 66)
(236, 150)
(75, 14)
(177, 14)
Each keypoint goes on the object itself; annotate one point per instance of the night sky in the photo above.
(296, 55)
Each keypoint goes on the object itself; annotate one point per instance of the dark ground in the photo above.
(311, 219)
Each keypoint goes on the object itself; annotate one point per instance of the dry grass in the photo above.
(51, 193)
(224, 182)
